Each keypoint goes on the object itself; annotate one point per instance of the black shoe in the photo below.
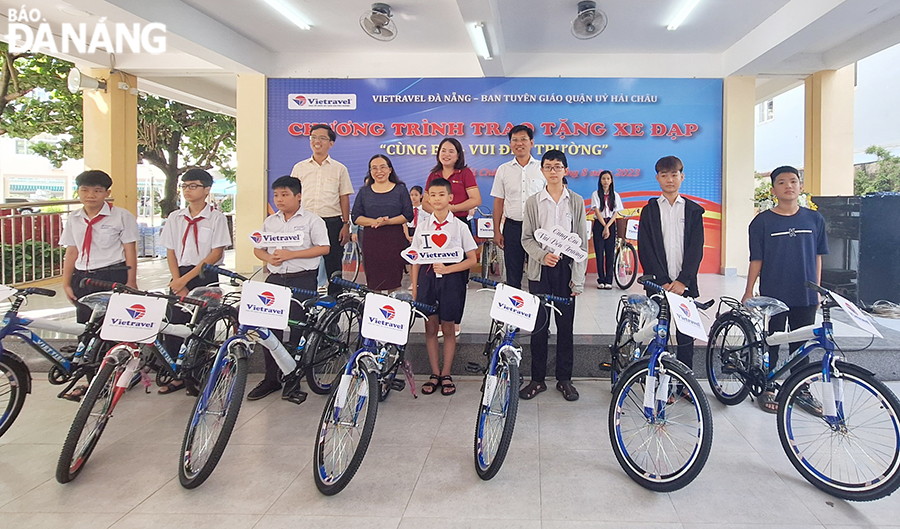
(263, 389)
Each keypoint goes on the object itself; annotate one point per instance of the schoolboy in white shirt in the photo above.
(293, 266)
(447, 291)
(193, 236)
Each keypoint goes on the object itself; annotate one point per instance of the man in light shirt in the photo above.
(514, 182)
(326, 192)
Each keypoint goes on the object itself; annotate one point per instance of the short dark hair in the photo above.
(669, 163)
(93, 178)
(416, 188)
(197, 175)
(288, 182)
(441, 182)
(555, 154)
(322, 126)
(521, 128)
(460, 155)
(784, 169)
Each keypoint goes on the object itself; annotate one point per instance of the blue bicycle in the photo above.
(660, 424)
(500, 396)
(348, 419)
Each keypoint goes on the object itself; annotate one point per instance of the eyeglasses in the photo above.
(378, 168)
(320, 138)
(554, 168)
(192, 186)
(520, 140)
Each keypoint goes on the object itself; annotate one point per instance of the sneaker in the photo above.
(600, 286)
(608, 286)
(808, 402)
(263, 389)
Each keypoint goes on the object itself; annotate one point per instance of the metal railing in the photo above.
(29, 240)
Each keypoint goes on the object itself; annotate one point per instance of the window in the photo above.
(23, 146)
(766, 111)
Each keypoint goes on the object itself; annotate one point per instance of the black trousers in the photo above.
(604, 252)
(175, 314)
(307, 280)
(117, 273)
(513, 253)
(554, 280)
(333, 258)
(797, 317)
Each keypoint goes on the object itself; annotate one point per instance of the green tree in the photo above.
(884, 175)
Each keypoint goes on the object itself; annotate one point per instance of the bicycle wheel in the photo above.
(215, 413)
(857, 459)
(496, 419)
(90, 421)
(13, 380)
(486, 257)
(666, 452)
(390, 366)
(623, 348)
(727, 357)
(343, 439)
(626, 265)
(202, 346)
(329, 354)
(350, 261)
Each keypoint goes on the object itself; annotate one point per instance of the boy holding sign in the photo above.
(442, 284)
(292, 260)
(554, 235)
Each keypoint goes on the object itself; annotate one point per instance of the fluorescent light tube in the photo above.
(685, 11)
(288, 12)
(479, 40)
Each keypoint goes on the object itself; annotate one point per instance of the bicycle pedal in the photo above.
(605, 367)
(728, 369)
(66, 349)
(296, 396)
(398, 384)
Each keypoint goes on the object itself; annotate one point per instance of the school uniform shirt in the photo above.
(540, 214)
(314, 234)
(458, 231)
(117, 227)
(603, 206)
(418, 215)
(323, 185)
(672, 233)
(510, 181)
(192, 242)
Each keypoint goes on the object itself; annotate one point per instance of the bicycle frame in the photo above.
(14, 325)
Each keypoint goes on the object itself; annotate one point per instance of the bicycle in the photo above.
(351, 260)
(348, 419)
(633, 313)
(68, 369)
(625, 262)
(492, 262)
(219, 401)
(120, 369)
(500, 396)
(851, 449)
(660, 424)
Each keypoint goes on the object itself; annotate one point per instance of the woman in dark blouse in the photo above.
(382, 207)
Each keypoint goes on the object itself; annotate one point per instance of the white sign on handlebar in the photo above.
(515, 307)
(686, 316)
(860, 318)
(131, 318)
(264, 305)
(386, 319)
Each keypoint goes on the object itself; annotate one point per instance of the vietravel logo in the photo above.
(135, 313)
(256, 237)
(322, 101)
(102, 36)
(517, 301)
(266, 299)
(271, 239)
(685, 310)
(514, 306)
(388, 312)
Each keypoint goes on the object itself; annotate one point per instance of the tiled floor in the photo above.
(418, 472)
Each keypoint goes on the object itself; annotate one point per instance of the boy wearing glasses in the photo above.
(326, 192)
(193, 236)
(548, 273)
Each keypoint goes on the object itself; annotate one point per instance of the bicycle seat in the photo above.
(647, 308)
(211, 295)
(326, 301)
(766, 306)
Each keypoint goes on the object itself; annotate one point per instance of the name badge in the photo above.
(261, 239)
(686, 316)
(860, 318)
(561, 242)
(264, 305)
(386, 319)
(132, 318)
(515, 307)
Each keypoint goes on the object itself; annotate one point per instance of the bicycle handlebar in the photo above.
(36, 290)
(546, 297)
(648, 281)
(121, 287)
(812, 286)
(350, 285)
(208, 268)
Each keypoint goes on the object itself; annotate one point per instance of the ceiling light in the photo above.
(479, 40)
(689, 6)
(288, 12)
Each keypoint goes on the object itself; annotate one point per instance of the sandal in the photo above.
(76, 394)
(171, 387)
(808, 402)
(685, 394)
(567, 389)
(768, 402)
(430, 387)
(532, 389)
(447, 389)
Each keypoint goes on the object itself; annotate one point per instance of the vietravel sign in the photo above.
(623, 125)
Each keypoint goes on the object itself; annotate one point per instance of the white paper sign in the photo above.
(515, 307)
(131, 318)
(485, 228)
(6, 292)
(561, 242)
(264, 305)
(386, 319)
(686, 316)
(860, 318)
(432, 247)
(589, 229)
(262, 239)
(631, 229)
